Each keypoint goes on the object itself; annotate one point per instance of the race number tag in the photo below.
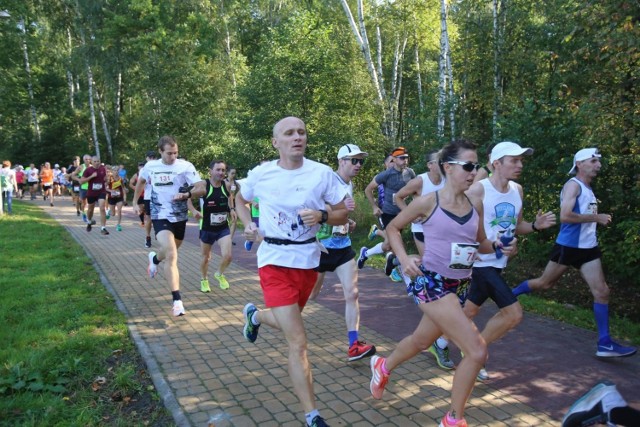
(463, 255)
(76, 188)
(340, 230)
(96, 186)
(161, 179)
(592, 209)
(115, 193)
(218, 218)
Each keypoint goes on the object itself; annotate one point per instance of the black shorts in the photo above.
(335, 258)
(177, 228)
(487, 282)
(92, 199)
(21, 186)
(46, 187)
(575, 257)
(140, 200)
(210, 237)
(385, 219)
(115, 201)
(147, 208)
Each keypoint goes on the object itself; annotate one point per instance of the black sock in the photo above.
(141, 216)
(625, 416)
(176, 295)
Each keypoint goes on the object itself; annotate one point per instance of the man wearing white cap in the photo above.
(501, 198)
(340, 257)
(577, 246)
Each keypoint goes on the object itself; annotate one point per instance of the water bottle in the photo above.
(506, 238)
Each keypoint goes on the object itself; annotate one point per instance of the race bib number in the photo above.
(76, 188)
(218, 218)
(592, 209)
(162, 179)
(96, 186)
(340, 230)
(115, 193)
(463, 255)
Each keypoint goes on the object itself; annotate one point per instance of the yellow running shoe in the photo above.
(204, 286)
(221, 280)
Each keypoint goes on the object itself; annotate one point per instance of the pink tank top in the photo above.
(442, 232)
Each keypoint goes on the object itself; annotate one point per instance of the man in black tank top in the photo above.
(216, 207)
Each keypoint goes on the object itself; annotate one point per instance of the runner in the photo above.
(172, 182)
(72, 177)
(96, 176)
(216, 209)
(577, 246)
(33, 175)
(233, 187)
(115, 189)
(452, 228)
(140, 202)
(293, 192)
(21, 178)
(47, 176)
(8, 185)
(340, 257)
(84, 185)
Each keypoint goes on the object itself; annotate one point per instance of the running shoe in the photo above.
(395, 275)
(152, 269)
(147, 242)
(51, 204)
(360, 350)
(118, 227)
(483, 375)
(442, 356)
(178, 308)
(446, 422)
(613, 349)
(104, 232)
(222, 281)
(378, 378)
(93, 222)
(77, 213)
(372, 232)
(594, 407)
(108, 213)
(84, 217)
(204, 286)
(248, 244)
(363, 257)
(389, 263)
(318, 421)
(89, 227)
(250, 331)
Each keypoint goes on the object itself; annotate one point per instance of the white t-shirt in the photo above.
(282, 194)
(33, 175)
(165, 182)
(8, 180)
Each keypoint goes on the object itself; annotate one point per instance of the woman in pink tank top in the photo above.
(452, 229)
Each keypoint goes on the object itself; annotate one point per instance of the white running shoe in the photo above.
(178, 308)
(152, 269)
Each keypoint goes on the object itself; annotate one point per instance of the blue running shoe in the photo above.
(363, 257)
(395, 275)
(372, 232)
(84, 217)
(612, 349)
(250, 331)
(248, 244)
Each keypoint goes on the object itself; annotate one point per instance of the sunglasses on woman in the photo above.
(467, 166)
(354, 161)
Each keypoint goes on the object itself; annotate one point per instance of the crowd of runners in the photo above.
(465, 229)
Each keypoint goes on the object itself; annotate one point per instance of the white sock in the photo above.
(442, 342)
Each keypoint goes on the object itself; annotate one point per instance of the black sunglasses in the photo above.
(467, 166)
(354, 161)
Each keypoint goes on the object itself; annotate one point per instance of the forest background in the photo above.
(112, 76)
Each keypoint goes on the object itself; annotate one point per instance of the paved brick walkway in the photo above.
(207, 373)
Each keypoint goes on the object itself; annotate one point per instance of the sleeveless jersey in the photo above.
(452, 242)
(214, 208)
(581, 235)
(427, 187)
(501, 211)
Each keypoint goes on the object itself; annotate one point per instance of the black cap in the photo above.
(142, 163)
(152, 154)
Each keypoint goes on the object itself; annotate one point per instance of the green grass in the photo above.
(62, 333)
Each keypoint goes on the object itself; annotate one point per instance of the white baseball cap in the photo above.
(56, 165)
(584, 154)
(350, 150)
(508, 148)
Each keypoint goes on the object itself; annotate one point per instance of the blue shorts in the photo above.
(83, 194)
(176, 228)
(433, 286)
(487, 282)
(210, 237)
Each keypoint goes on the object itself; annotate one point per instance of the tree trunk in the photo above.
(27, 67)
(418, 77)
(105, 127)
(442, 74)
(92, 111)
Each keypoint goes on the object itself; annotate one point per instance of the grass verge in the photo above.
(67, 357)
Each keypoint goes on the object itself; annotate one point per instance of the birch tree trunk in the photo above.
(117, 107)
(442, 74)
(92, 111)
(105, 127)
(69, 73)
(418, 77)
(27, 67)
(498, 9)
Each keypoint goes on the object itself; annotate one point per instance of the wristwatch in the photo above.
(324, 217)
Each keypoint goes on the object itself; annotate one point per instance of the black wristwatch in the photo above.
(325, 216)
